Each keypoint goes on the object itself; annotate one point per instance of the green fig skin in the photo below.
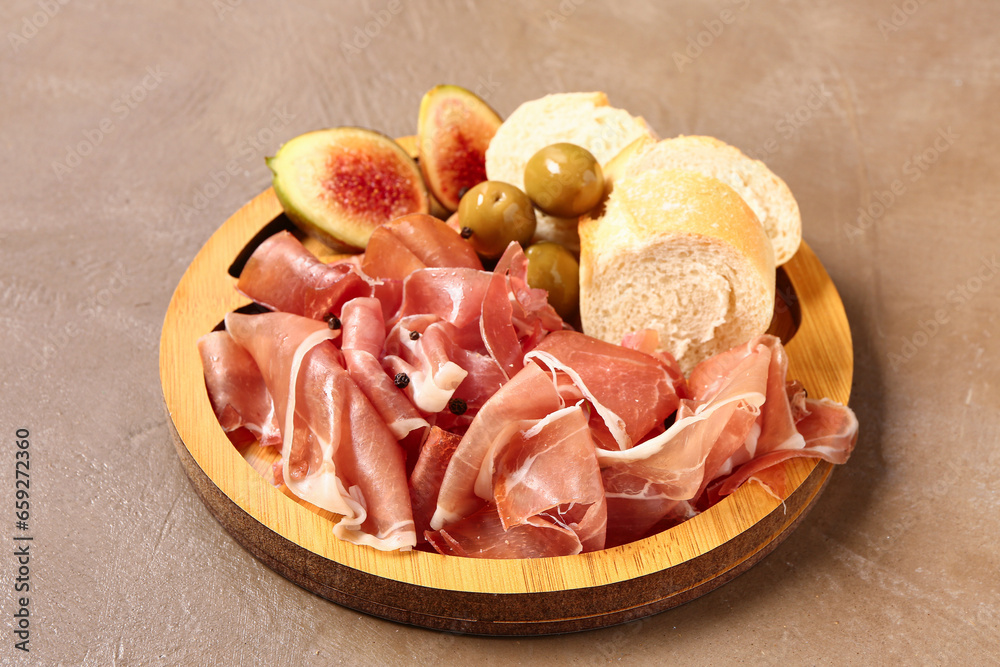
(341, 183)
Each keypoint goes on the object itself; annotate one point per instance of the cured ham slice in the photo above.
(439, 368)
(540, 474)
(454, 295)
(829, 431)
(528, 395)
(337, 452)
(786, 428)
(481, 535)
(676, 458)
(403, 245)
(458, 411)
(425, 480)
(544, 466)
(364, 334)
(284, 276)
(421, 348)
(647, 341)
(630, 390)
(236, 389)
(515, 317)
(638, 507)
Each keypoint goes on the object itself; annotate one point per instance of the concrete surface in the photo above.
(130, 131)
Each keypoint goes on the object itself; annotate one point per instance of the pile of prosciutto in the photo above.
(440, 406)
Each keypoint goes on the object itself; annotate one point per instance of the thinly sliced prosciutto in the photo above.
(638, 507)
(401, 246)
(363, 337)
(421, 348)
(284, 276)
(425, 480)
(481, 535)
(676, 458)
(530, 394)
(337, 452)
(529, 469)
(789, 425)
(515, 317)
(630, 390)
(829, 432)
(439, 368)
(236, 389)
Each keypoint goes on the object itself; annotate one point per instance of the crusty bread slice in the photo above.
(767, 195)
(584, 119)
(680, 253)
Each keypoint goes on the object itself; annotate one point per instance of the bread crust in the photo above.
(661, 209)
(768, 195)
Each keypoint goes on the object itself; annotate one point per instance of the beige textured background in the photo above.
(898, 562)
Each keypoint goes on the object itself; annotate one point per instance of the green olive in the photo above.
(553, 268)
(492, 214)
(564, 180)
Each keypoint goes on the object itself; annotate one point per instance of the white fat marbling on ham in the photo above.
(676, 458)
(546, 466)
(421, 347)
(364, 335)
(284, 276)
(337, 452)
(481, 535)
(631, 391)
(528, 395)
(236, 389)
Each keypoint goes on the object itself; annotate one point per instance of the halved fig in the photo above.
(342, 183)
(453, 132)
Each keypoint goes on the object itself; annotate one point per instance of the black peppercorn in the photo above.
(414, 335)
(401, 380)
(457, 406)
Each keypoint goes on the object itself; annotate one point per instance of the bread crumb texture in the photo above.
(683, 254)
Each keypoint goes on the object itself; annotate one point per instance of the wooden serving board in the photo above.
(495, 597)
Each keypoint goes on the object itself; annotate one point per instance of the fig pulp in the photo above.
(342, 183)
(453, 132)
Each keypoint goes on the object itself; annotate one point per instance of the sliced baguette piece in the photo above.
(584, 119)
(766, 193)
(680, 253)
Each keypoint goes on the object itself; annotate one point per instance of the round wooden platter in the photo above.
(493, 597)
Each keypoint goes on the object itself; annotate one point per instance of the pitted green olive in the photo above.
(553, 268)
(492, 214)
(564, 180)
